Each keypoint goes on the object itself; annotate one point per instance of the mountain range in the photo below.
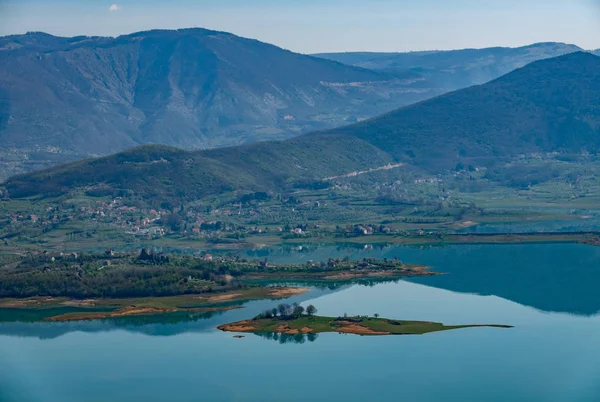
(70, 98)
(547, 106)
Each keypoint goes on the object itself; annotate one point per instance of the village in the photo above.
(118, 218)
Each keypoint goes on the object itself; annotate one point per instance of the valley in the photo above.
(549, 194)
(507, 152)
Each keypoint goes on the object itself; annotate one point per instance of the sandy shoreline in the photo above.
(131, 311)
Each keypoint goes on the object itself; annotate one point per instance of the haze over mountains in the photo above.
(69, 98)
(454, 69)
(547, 106)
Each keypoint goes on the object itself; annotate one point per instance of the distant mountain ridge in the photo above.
(454, 69)
(547, 106)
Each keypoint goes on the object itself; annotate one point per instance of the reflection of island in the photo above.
(295, 320)
(288, 338)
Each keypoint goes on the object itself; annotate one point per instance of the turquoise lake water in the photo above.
(550, 293)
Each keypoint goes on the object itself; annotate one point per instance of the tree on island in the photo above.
(284, 309)
(311, 310)
(297, 310)
(376, 315)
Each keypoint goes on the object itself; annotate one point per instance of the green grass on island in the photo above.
(292, 321)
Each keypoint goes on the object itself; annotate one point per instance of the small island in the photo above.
(295, 319)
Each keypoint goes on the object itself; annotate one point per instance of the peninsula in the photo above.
(75, 286)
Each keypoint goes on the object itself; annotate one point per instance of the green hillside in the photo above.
(158, 173)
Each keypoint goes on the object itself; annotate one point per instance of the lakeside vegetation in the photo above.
(296, 320)
(150, 274)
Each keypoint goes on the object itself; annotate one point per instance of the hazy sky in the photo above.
(324, 25)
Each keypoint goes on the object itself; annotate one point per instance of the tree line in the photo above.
(286, 311)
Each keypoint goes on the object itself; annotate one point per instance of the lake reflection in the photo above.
(552, 354)
(156, 325)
